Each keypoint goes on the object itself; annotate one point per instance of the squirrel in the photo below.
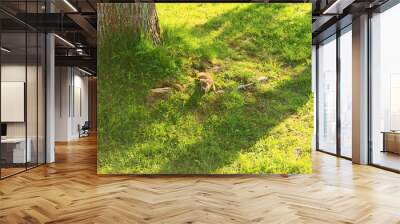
(206, 82)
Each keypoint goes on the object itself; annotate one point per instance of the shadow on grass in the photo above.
(194, 99)
(236, 130)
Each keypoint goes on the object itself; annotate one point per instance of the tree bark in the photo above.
(138, 18)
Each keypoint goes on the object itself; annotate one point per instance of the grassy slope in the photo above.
(265, 130)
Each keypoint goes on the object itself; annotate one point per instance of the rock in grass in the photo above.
(246, 86)
(161, 91)
(220, 91)
(179, 87)
(262, 79)
(216, 68)
(158, 94)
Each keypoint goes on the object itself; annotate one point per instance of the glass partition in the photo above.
(327, 95)
(22, 77)
(14, 153)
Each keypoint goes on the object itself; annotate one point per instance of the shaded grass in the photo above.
(264, 130)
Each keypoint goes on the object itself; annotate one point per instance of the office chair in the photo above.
(84, 130)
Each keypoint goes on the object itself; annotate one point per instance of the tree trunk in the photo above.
(138, 18)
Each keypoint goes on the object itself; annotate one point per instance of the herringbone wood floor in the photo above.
(69, 191)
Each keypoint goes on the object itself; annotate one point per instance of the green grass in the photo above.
(267, 129)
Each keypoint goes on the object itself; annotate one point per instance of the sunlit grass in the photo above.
(264, 130)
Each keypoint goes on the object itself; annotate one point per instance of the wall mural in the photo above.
(204, 88)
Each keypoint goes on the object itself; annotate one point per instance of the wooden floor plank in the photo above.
(70, 191)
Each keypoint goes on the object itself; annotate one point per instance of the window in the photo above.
(346, 92)
(327, 95)
(385, 89)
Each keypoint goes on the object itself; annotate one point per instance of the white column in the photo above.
(360, 90)
(50, 93)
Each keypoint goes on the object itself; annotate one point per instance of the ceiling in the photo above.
(73, 21)
(332, 15)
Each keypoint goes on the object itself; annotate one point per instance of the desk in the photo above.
(13, 150)
(391, 141)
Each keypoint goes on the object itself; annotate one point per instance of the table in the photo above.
(13, 150)
(391, 141)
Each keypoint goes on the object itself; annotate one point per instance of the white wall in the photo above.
(80, 108)
(71, 87)
(13, 72)
(62, 82)
(9, 73)
(33, 127)
(13, 101)
(17, 73)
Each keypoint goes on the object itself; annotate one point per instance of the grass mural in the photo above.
(256, 117)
